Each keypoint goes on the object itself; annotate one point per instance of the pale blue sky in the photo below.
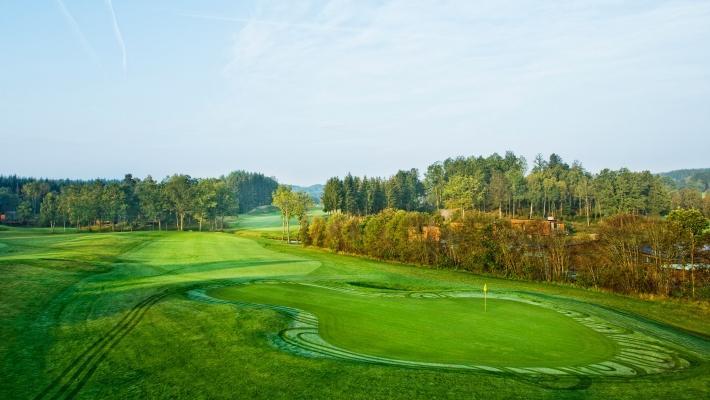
(306, 90)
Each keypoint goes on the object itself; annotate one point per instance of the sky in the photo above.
(305, 90)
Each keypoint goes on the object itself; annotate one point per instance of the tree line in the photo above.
(364, 196)
(632, 254)
(174, 202)
(504, 185)
(650, 233)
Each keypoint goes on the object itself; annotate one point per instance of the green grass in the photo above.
(448, 330)
(108, 316)
(266, 220)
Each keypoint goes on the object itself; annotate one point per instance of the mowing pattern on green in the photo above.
(639, 354)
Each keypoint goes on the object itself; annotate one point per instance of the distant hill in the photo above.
(698, 178)
(268, 209)
(315, 191)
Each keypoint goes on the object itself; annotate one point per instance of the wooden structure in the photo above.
(538, 226)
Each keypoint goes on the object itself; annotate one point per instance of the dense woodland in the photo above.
(503, 184)
(131, 203)
(630, 232)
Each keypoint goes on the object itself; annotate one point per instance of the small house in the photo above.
(537, 226)
(8, 217)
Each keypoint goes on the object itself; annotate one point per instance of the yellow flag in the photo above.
(485, 297)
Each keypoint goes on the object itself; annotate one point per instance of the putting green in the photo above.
(438, 330)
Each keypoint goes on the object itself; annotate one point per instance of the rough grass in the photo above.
(106, 316)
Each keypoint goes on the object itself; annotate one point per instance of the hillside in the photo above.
(698, 178)
(315, 191)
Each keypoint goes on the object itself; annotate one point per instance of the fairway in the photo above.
(439, 330)
(267, 220)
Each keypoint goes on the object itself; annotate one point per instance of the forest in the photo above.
(630, 232)
(503, 184)
(133, 203)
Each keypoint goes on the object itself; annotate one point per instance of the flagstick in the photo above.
(485, 297)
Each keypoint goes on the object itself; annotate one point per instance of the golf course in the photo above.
(367, 200)
(239, 314)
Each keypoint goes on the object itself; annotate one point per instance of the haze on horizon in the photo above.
(307, 90)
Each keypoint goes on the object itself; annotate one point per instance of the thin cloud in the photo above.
(118, 35)
(316, 27)
(325, 28)
(78, 32)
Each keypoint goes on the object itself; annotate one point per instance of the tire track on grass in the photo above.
(68, 383)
